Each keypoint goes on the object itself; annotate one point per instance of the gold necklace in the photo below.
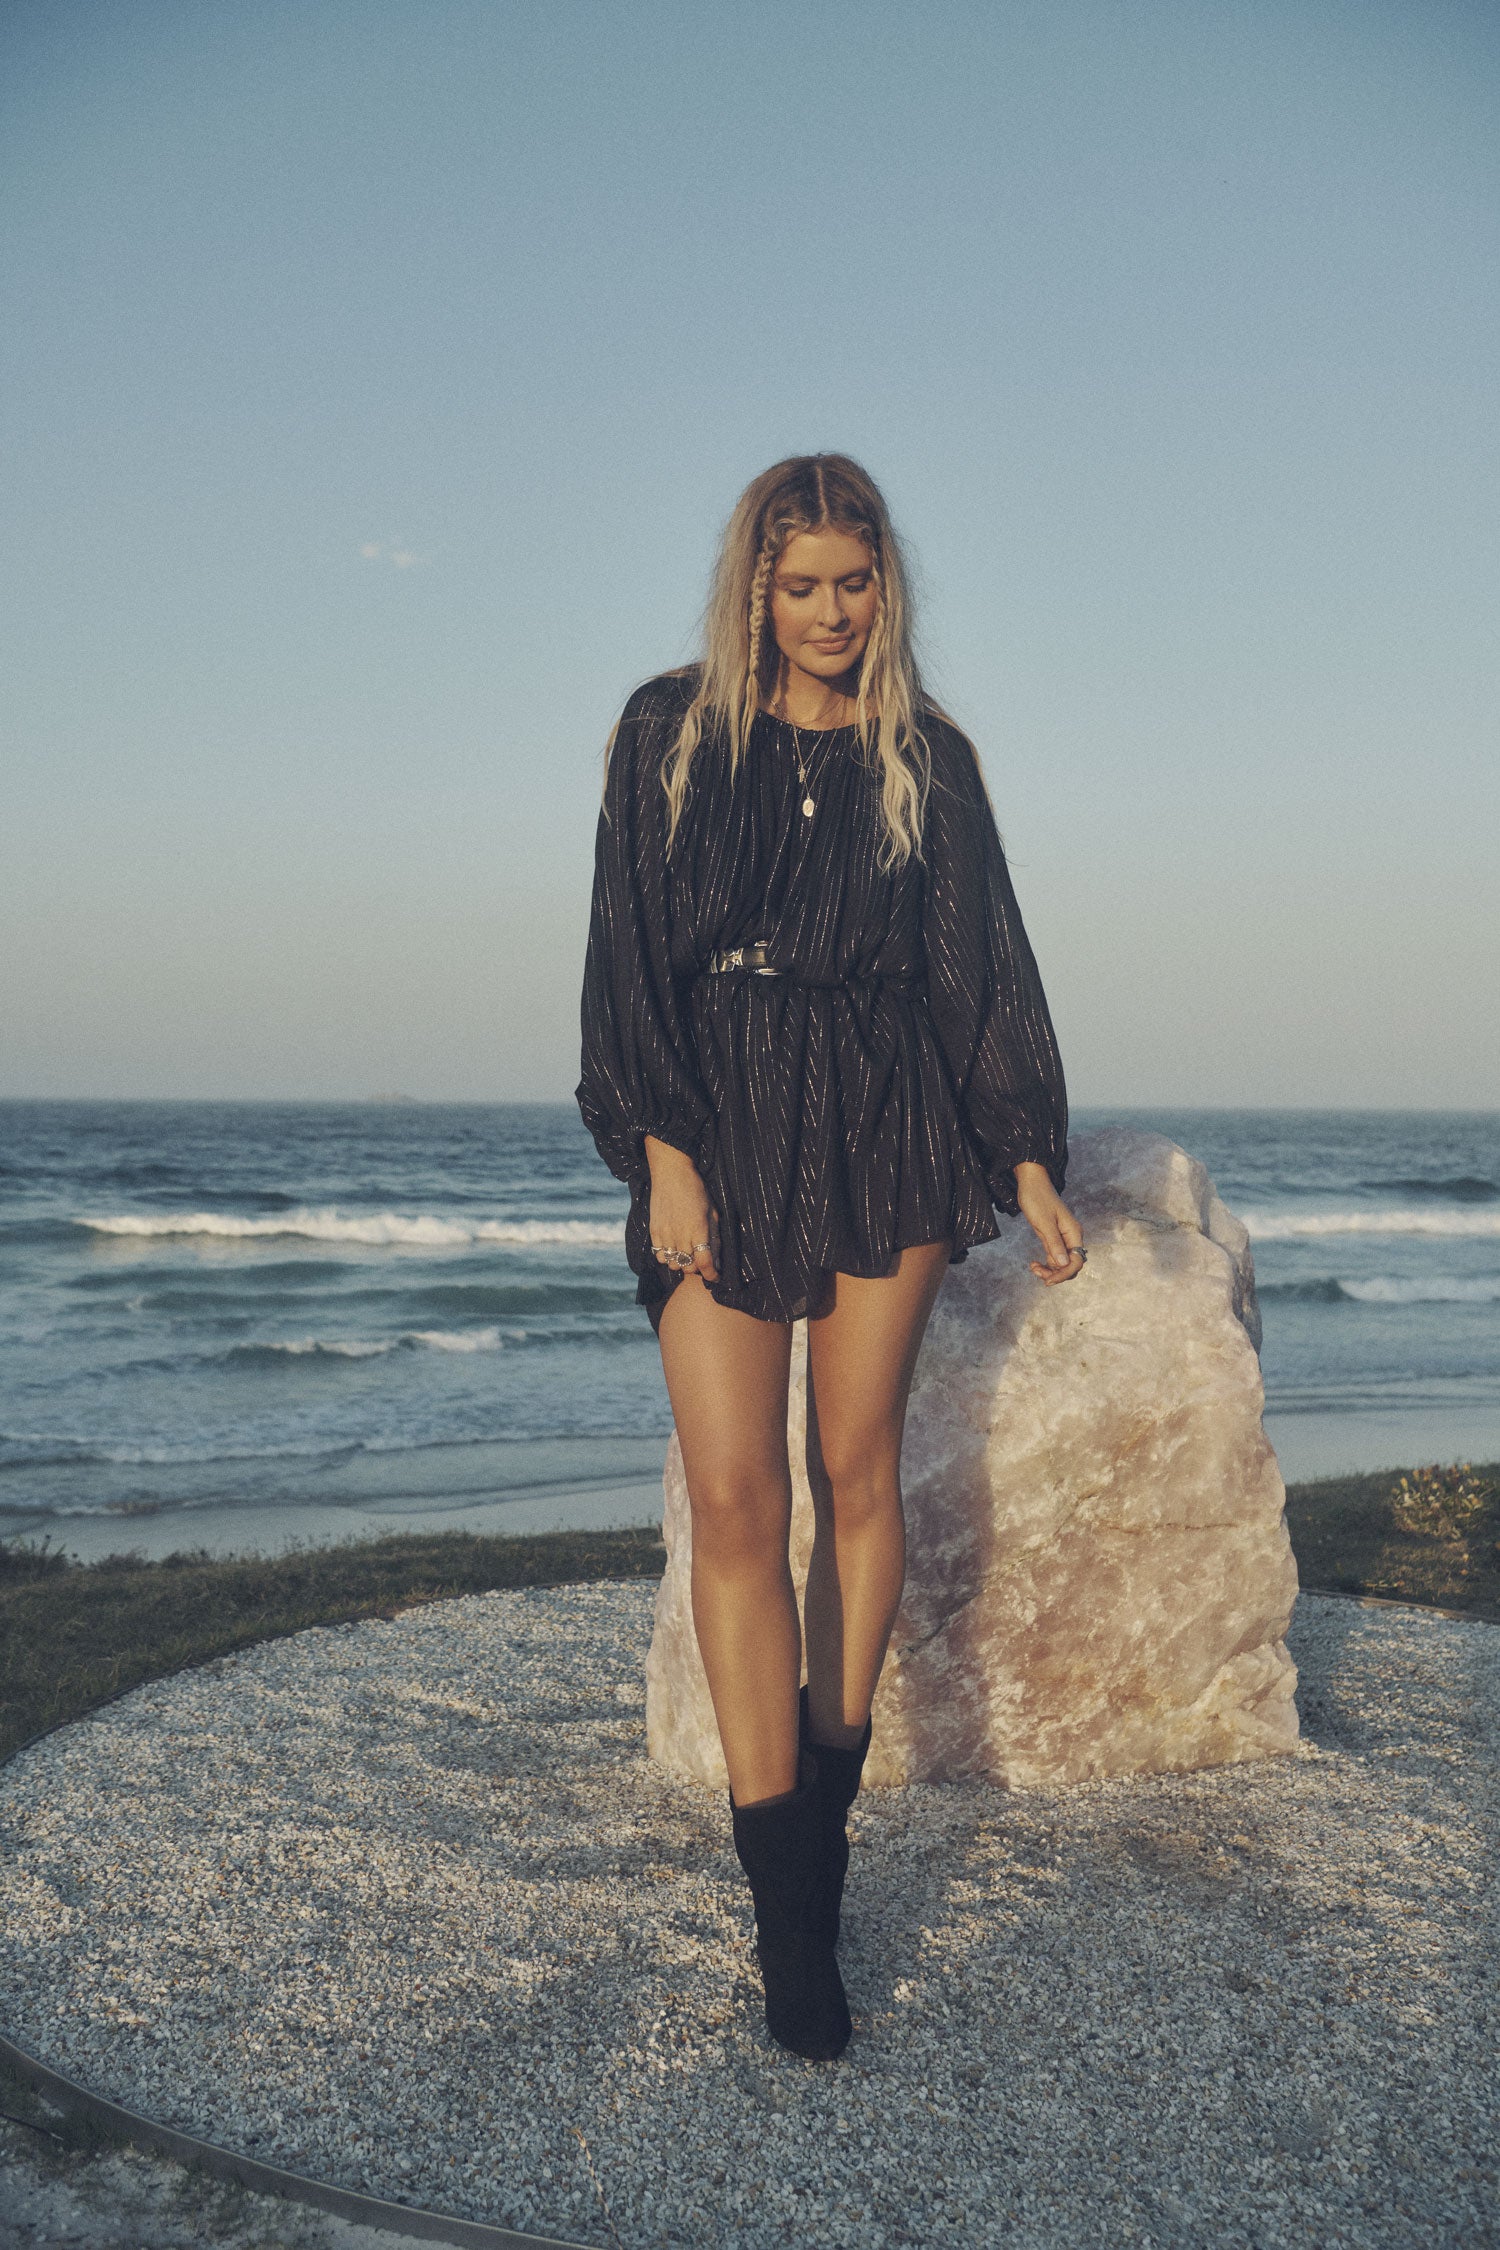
(809, 802)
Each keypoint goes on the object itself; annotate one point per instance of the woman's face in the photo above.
(823, 603)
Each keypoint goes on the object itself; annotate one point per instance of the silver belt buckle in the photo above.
(733, 957)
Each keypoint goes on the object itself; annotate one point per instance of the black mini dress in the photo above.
(875, 1095)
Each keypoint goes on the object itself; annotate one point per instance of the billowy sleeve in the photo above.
(984, 989)
(639, 1065)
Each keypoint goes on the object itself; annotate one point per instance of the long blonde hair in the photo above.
(741, 661)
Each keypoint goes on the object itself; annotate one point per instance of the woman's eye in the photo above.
(847, 585)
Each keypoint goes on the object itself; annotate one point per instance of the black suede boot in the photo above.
(839, 1774)
(780, 1846)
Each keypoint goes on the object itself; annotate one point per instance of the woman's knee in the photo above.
(741, 1514)
(856, 1484)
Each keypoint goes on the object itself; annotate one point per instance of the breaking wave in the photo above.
(380, 1228)
(1289, 1226)
(1379, 1289)
(414, 1339)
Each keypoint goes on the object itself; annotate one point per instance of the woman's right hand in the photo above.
(681, 1213)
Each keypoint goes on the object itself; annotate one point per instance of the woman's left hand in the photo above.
(1052, 1223)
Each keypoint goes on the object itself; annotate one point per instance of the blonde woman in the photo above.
(816, 1046)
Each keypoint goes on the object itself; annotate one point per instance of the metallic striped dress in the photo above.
(875, 1093)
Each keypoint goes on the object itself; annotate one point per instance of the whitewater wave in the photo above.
(311, 1347)
(381, 1229)
(412, 1339)
(71, 1452)
(1289, 1226)
(1380, 1289)
(1484, 1290)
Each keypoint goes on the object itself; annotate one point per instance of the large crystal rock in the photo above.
(1099, 1574)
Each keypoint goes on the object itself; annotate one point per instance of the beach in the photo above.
(237, 1327)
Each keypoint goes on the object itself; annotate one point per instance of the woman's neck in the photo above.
(805, 701)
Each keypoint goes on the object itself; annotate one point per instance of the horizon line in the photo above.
(566, 1101)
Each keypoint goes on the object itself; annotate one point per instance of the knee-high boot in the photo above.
(780, 1843)
(839, 1773)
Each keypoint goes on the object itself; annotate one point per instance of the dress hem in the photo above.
(963, 1241)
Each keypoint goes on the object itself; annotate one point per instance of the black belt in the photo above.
(753, 958)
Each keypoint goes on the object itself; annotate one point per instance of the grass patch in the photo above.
(1427, 1535)
(74, 1634)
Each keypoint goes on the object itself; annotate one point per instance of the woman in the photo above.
(816, 1047)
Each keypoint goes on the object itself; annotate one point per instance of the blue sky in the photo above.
(377, 379)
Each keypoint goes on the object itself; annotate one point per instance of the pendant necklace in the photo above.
(809, 802)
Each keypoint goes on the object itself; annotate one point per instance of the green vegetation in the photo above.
(1430, 1535)
(74, 1634)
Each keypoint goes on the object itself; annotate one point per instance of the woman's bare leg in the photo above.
(727, 1376)
(862, 1355)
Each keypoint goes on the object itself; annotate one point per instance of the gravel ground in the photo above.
(404, 1905)
(74, 2199)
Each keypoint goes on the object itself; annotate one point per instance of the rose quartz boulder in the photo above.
(1099, 1575)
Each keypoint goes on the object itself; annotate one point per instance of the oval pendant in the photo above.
(808, 808)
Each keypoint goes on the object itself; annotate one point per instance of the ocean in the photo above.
(246, 1325)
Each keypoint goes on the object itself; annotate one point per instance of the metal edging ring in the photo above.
(375, 2211)
(408, 2220)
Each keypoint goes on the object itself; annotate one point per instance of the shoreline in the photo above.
(75, 1634)
(262, 1532)
(502, 1488)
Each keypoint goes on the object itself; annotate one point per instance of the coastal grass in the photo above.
(73, 1635)
(1429, 1536)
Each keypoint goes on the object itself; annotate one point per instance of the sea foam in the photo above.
(413, 1339)
(1385, 1289)
(1381, 1290)
(1287, 1226)
(379, 1229)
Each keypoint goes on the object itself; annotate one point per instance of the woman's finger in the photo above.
(706, 1259)
(1057, 1250)
(1062, 1241)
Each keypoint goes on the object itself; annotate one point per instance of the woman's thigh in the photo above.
(862, 1355)
(727, 1376)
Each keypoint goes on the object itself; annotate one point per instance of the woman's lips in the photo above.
(832, 648)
